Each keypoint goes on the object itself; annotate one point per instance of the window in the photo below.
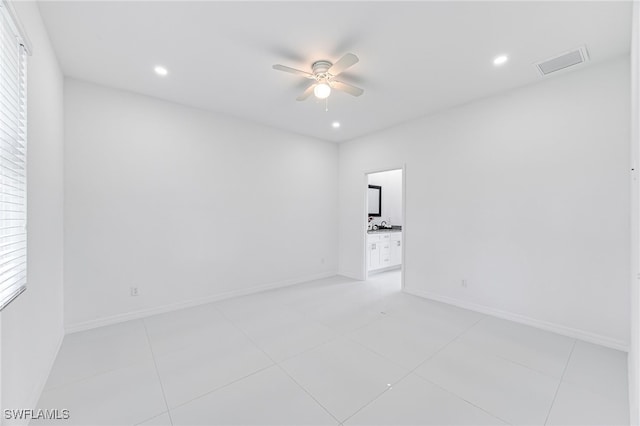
(13, 158)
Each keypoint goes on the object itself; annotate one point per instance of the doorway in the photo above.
(385, 227)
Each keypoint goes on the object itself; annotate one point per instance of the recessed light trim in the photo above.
(335, 124)
(500, 60)
(160, 70)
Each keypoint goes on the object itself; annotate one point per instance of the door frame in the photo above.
(365, 216)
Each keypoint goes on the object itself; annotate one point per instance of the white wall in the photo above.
(525, 195)
(186, 205)
(32, 326)
(391, 183)
(634, 352)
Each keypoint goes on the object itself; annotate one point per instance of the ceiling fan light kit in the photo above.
(324, 73)
(322, 90)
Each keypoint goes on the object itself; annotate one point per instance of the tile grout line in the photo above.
(343, 335)
(493, 355)
(276, 363)
(99, 373)
(446, 345)
(504, 358)
(510, 361)
(351, 339)
(92, 376)
(414, 369)
(346, 337)
(447, 390)
(182, 404)
(226, 384)
(336, 337)
(155, 365)
(555, 395)
(151, 418)
(234, 325)
(308, 393)
(375, 398)
(490, 354)
(462, 399)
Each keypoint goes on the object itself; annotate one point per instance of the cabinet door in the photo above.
(385, 254)
(396, 249)
(373, 254)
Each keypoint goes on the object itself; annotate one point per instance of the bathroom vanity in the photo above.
(384, 249)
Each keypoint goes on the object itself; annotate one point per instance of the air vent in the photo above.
(563, 61)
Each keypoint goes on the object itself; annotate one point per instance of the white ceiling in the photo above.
(415, 57)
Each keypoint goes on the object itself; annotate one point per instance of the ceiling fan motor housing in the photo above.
(320, 69)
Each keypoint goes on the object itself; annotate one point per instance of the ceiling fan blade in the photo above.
(343, 63)
(292, 71)
(306, 93)
(348, 88)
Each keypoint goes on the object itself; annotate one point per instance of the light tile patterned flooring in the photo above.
(329, 352)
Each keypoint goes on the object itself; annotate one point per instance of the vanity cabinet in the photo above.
(373, 255)
(384, 250)
(396, 248)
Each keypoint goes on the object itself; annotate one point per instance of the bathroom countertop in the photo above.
(383, 230)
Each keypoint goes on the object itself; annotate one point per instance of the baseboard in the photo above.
(544, 325)
(351, 275)
(143, 313)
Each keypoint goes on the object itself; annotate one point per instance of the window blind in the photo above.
(13, 156)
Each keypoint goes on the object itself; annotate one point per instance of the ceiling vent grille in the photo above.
(563, 61)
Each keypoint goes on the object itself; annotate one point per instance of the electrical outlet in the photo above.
(134, 291)
(464, 283)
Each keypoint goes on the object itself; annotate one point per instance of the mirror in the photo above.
(375, 200)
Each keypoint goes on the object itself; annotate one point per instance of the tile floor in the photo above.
(334, 352)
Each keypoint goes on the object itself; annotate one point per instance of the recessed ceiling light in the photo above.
(335, 124)
(160, 70)
(499, 60)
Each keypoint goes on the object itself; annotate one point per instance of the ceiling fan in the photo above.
(324, 73)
